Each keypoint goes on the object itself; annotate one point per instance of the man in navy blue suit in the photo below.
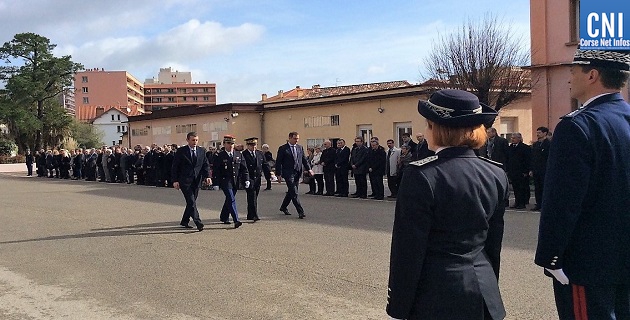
(189, 169)
(290, 163)
(584, 238)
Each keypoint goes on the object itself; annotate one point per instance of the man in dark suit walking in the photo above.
(583, 238)
(229, 171)
(189, 169)
(256, 166)
(342, 164)
(290, 164)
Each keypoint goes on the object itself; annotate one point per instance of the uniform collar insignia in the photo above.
(424, 161)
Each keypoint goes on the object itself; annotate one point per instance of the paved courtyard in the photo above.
(87, 250)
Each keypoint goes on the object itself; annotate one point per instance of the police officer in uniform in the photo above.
(584, 233)
(448, 224)
(256, 166)
(228, 171)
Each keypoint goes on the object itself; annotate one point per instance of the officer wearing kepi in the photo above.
(256, 166)
(584, 233)
(228, 171)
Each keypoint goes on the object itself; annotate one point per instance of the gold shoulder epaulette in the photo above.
(424, 161)
(498, 164)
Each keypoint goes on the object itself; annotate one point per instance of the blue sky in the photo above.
(252, 47)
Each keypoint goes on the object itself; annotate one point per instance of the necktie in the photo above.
(296, 165)
(253, 155)
(194, 156)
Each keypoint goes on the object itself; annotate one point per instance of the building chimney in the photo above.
(99, 111)
(264, 97)
(300, 92)
(281, 93)
(316, 86)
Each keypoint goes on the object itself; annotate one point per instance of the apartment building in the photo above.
(101, 88)
(172, 89)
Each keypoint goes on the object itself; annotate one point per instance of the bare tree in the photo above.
(483, 57)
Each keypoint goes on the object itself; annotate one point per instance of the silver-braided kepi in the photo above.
(603, 58)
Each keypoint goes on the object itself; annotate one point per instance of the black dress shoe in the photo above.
(267, 189)
(200, 227)
(329, 194)
(187, 226)
(256, 219)
(378, 198)
(319, 193)
(285, 211)
(341, 195)
(301, 215)
(372, 195)
(392, 196)
(237, 224)
(226, 222)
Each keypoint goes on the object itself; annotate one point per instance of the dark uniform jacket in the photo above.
(497, 152)
(358, 158)
(585, 220)
(185, 171)
(446, 240)
(229, 173)
(255, 166)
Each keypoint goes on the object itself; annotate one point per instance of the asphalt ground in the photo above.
(88, 250)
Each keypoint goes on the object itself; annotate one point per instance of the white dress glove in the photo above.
(247, 184)
(559, 275)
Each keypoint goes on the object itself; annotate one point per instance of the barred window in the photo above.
(321, 121)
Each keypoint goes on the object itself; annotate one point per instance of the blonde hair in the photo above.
(474, 137)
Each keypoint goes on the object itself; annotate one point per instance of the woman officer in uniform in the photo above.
(448, 226)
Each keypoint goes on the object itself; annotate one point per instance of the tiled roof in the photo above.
(318, 92)
(87, 113)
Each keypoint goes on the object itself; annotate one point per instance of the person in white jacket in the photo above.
(318, 172)
(391, 168)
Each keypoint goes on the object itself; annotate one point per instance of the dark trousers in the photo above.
(252, 199)
(319, 179)
(76, 173)
(29, 168)
(229, 205)
(130, 175)
(341, 175)
(268, 178)
(101, 173)
(520, 185)
(190, 195)
(378, 189)
(392, 184)
(329, 182)
(361, 182)
(292, 182)
(539, 181)
(601, 303)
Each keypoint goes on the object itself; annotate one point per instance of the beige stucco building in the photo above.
(385, 110)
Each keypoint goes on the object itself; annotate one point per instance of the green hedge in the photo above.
(8, 159)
